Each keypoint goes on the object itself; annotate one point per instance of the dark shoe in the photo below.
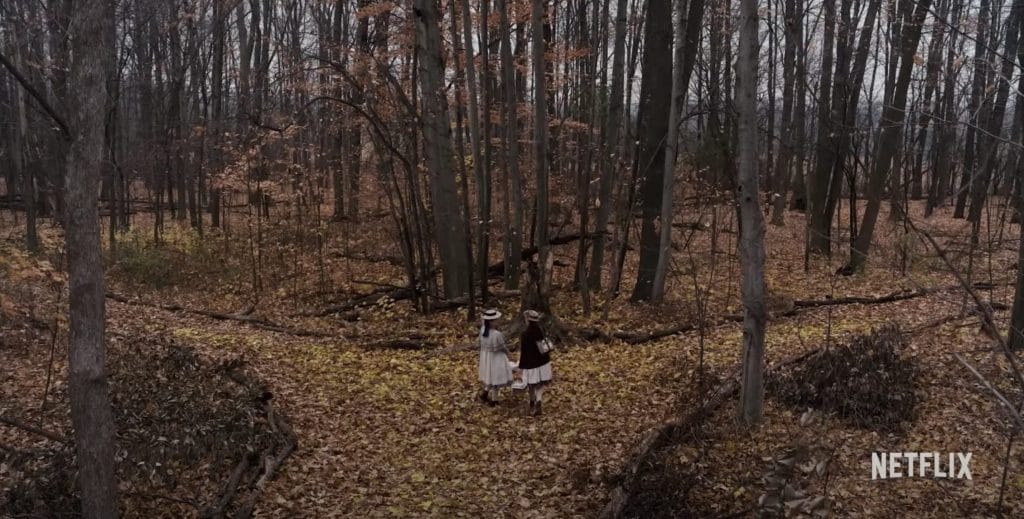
(484, 397)
(536, 409)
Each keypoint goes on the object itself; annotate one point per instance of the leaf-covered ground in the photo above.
(388, 432)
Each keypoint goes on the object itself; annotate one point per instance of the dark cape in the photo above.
(530, 356)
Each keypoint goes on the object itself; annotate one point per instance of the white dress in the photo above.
(495, 371)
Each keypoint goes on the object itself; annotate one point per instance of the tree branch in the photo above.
(64, 130)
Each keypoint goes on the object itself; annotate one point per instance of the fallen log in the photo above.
(498, 269)
(660, 436)
(798, 307)
(893, 297)
(411, 344)
(861, 300)
(395, 294)
(247, 319)
(403, 293)
(375, 258)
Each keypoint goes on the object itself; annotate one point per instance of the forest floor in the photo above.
(386, 431)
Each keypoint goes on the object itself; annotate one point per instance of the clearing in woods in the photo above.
(383, 403)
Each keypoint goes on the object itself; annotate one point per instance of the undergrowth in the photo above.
(866, 381)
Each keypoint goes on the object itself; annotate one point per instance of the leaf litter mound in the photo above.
(867, 381)
(182, 429)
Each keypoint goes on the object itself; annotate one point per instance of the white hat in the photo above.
(491, 314)
(532, 315)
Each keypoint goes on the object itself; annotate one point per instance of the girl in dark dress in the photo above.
(534, 366)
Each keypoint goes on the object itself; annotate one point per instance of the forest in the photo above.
(511, 258)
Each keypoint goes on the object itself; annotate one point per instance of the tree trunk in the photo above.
(819, 182)
(510, 120)
(751, 219)
(655, 101)
(794, 36)
(668, 175)
(448, 229)
(974, 107)
(945, 134)
(479, 172)
(612, 159)
(994, 125)
(540, 142)
(890, 132)
(92, 57)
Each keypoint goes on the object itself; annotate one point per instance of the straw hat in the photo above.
(490, 314)
(532, 315)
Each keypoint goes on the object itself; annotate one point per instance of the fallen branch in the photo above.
(995, 392)
(413, 344)
(798, 307)
(6, 420)
(860, 300)
(394, 294)
(247, 319)
(659, 436)
(230, 489)
(270, 460)
(498, 269)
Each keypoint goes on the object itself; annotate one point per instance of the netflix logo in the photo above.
(894, 465)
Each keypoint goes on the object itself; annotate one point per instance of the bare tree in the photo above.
(889, 131)
(450, 232)
(91, 57)
(751, 219)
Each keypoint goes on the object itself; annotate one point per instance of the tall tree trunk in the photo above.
(355, 126)
(20, 144)
(479, 167)
(655, 101)
(819, 182)
(510, 121)
(794, 37)
(217, 92)
(668, 174)
(448, 229)
(91, 415)
(540, 141)
(890, 132)
(945, 134)
(751, 219)
(994, 125)
(612, 159)
(974, 107)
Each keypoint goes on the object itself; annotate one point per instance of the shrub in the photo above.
(180, 255)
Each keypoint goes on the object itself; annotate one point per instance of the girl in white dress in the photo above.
(495, 372)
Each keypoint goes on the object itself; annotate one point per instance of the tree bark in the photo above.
(751, 219)
(91, 415)
(510, 121)
(820, 181)
(655, 100)
(610, 163)
(668, 175)
(890, 131)
(449, 231)
(540, 141)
